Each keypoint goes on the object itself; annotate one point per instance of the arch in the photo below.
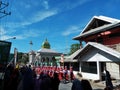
(54, 61)
(47, 61)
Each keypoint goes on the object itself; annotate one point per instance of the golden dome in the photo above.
(46, 44)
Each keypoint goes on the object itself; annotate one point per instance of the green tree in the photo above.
(25, 58)
(74, 48)
(22, 57)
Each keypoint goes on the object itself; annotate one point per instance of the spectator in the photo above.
(76, 85)
(55, 82)
(45, 82)
(86, 85)
(27, 82)
(71, 74)
(108, 79)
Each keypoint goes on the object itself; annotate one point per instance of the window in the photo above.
(89, 67)
(75, 66)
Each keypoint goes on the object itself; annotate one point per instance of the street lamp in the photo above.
(10, 38)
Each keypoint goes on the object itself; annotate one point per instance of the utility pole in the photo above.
(3, 12)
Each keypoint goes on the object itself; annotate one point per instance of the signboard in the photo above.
(4, 51)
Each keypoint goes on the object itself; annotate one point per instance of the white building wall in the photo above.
(114, 70)
(100, 56)
(90, 76)
(31, 57)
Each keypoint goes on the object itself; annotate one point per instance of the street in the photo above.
(66, 86)
(95, 86)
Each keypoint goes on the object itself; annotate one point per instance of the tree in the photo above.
(74, 48)
(22, 57)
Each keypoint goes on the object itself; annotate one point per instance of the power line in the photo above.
(3, 12)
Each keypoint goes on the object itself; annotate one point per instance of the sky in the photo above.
(58, 21)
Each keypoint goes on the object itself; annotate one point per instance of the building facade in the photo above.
(102, 48)
(44, 56)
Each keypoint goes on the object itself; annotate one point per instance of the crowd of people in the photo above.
(45, 78)
(35, 78)
(63, 73)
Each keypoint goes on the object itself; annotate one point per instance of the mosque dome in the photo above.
(46, 44)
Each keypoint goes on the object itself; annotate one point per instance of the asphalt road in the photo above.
(95, 86)
(66, 86)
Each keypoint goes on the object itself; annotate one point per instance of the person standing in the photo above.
(71, 74)
(76, 84)
(86, 85)
(65, 74)
(108, 80)
(55, 82)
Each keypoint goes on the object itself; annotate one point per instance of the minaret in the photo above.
(31, 53)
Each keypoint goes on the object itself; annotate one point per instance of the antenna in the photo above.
(3, 12)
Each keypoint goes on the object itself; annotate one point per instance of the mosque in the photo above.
(45, 56)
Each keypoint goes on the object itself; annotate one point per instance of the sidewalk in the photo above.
(95, 85)
(101, 85)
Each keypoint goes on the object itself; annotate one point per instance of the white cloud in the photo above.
(32, 33)
(71, 30)
(2, 31)
(40, 16)
(43, 14)
(37, 17)
(5, 34)
(77, 3)
(70, 4)
(45, 4)
(28, 33)
(9, 34)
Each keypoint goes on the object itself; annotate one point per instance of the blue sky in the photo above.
(57, 20)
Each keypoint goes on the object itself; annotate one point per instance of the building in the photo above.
(44, 56)
(70, 61)
(102, 48)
